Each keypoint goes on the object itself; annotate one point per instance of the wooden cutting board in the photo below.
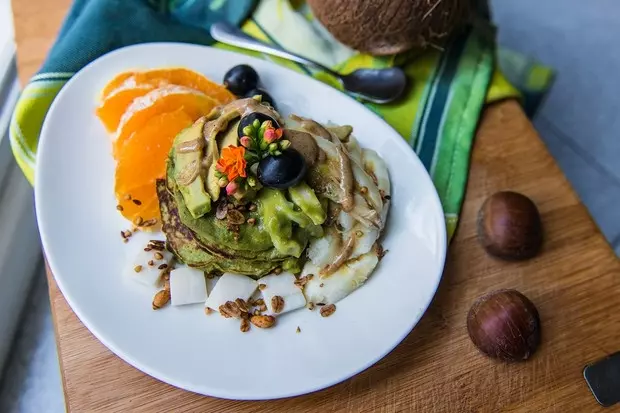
(575, 283)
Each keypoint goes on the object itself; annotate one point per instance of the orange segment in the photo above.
(142, 160)
(115, 83)
(113, 107)
(159, 101)
(172, 76)
(148, 208)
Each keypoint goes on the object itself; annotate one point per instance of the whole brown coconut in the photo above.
(391, 26)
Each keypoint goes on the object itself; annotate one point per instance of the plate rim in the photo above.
(153, 372)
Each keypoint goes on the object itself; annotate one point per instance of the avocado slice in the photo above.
(196, 198)
(304, 197)
(229, 139)
(278, 216)
(213, 185)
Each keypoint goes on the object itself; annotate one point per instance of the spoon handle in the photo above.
(229, 34)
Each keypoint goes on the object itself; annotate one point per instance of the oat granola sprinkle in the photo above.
(243, 306)
(208, 311)
(148, 249)
(302, 281)
(162, 267)
(137, 268)
(161, 299)
(310, 306)
(363, 190)
(235, 217)
(245, 325)
(151, 263)
(138, 221)
(127, 197)
(149, 222)
(262, 286)
(328, 310)
(119, 208)
(158, 256)
(252, 207)
(298, 330)
(230, 309)
(251, 221)
(137, 202)
(277, 304)
(321, 285)
(277, 271)
(263, 321)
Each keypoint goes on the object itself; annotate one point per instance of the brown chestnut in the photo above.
(504, 324)
(509, 226)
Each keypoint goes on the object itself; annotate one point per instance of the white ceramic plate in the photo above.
(80, 231)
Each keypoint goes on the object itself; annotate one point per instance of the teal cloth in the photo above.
(95, 27)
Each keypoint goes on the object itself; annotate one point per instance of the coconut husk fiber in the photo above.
(382, 27)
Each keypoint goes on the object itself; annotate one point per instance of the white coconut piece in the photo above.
(229, 287)
(187, 286)
(282, 285)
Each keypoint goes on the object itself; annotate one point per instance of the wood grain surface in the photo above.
(575, 283)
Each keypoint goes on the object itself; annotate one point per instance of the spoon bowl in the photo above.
(374, 85)
(383, 85)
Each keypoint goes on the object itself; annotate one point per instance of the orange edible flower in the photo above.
(232, 162)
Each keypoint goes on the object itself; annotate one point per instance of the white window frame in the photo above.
(20, 251)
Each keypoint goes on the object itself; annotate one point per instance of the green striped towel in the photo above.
(437, 116)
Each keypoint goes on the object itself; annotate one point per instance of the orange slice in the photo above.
(114, 106)
(172, 76)
(115, 83)
(142, 160)
(159, 101)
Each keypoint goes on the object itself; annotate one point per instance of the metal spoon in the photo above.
(375, 85)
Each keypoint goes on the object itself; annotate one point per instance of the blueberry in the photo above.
(282, 171)
(241, 79)
(249, 119)
(266, 97)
